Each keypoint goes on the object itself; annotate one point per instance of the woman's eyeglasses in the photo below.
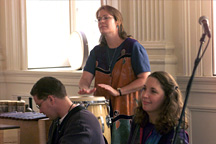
(105, 18)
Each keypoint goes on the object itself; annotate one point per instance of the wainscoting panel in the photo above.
(202, 125)
(201, 107)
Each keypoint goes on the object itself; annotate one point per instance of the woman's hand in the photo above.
(110, 89)
(85, 82)
(86, 91)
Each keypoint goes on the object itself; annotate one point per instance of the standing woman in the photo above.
(158, 112)
(120, 66)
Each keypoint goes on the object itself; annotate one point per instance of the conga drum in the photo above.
(99, 107)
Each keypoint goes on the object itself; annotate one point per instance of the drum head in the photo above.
(87, 98)
(78, 50)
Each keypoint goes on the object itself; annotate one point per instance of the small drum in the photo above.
(3, 106)
(99, 107)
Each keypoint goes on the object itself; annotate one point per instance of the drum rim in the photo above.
(91, 102)
(87, 98)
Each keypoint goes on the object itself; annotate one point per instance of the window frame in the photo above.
(213, 37)
(72, 25)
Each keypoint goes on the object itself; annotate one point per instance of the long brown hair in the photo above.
(172, 106)
(118, 18)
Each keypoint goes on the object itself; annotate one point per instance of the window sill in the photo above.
(68, 77)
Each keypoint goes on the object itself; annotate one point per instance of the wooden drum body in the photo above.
(99, 107)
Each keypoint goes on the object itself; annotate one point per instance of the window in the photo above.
(213, 33)
(50, 24)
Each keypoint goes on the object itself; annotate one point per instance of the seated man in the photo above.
(72, 124)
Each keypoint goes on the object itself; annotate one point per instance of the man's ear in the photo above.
(51, 98)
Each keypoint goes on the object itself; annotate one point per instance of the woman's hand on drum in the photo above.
(110, 89)
(86, 91)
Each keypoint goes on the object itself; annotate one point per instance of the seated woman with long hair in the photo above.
(158, 112)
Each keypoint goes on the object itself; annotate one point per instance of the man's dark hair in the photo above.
(48, 86)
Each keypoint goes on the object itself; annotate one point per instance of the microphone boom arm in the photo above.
(197, 60)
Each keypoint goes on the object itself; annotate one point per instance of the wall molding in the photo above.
(205, 85)
(30, 77)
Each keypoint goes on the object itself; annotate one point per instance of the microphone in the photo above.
(203, 20)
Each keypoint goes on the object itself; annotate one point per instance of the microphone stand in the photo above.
(197, 60)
